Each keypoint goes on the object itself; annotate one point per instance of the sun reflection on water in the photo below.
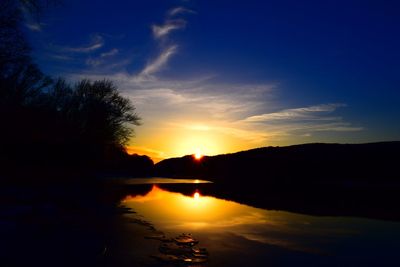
(224, 222)
(163, 206)
(195, 212)
(176, 212)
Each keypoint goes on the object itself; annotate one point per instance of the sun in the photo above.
(196, 195)
(198, 155)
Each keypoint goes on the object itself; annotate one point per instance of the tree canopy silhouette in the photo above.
(101, 115)
(48, 122)
(84, 123)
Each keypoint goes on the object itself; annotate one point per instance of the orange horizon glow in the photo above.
(174, 140)
(178, 140)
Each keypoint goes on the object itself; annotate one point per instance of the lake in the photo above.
(236, 234)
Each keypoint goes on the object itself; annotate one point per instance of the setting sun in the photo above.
(198, 156)
(196, 195)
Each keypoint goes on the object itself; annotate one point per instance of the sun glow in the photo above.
(179, 140)
(196, 195)
(198, 154)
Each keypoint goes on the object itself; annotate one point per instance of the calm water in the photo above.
(240, 235)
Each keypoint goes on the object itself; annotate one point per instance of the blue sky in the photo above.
(221, 76)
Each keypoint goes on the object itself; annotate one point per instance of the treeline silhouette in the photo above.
(297, 165)
(47, 123)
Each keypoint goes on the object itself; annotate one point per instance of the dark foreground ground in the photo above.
(47, 220)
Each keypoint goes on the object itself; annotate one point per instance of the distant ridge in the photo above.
(295, 164)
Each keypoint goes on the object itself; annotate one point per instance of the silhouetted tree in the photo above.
(47, 122)
(104, 115)
(90, 116)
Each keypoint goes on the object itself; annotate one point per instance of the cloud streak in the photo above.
(159, 63)
(110, 53)
(170, 24)
(96, 43)
(179, 10)
(304, 113)
(34, 26)
(160, 31)
(94, 62)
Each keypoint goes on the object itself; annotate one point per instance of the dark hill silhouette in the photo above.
(294, 165)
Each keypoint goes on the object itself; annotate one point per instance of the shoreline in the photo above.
(138, 241)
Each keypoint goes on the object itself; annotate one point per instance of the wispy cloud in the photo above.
(160, 32)
(60, 57)
(34, 26)
(110, 53)
(94, 62)
(96, 43)
(97, 61)
(170, 24)
(157, 64)
(304, 113)
(301, 122)
(32, 22)
(153, 66)
(202, 95)
(179, 10)
(163, 30)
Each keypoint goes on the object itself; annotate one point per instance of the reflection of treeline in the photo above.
(48, 122)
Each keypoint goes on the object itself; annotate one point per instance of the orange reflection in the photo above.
(176, 212)
(194, 211)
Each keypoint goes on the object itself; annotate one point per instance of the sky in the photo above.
(215, 77)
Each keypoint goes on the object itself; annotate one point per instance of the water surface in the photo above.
(238, 234)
